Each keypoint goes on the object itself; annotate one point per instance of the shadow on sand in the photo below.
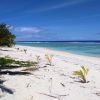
(5, 71)
(14, 73)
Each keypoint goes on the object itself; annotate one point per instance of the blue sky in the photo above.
(40, 20)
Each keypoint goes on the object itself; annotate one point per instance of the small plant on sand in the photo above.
(25, 50)
(82, 73)
(38, 59)
(49, 59)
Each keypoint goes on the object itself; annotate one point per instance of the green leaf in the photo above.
(82, 73)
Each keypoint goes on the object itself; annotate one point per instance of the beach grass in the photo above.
(8, 61)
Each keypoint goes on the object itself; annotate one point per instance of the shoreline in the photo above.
(89, 51)
(65, 53)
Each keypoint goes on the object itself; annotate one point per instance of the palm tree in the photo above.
(6, 37)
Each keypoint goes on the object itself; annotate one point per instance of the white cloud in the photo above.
(24, 37)
(57, 6)
(65, 4)
(28, 29)
(9, 26)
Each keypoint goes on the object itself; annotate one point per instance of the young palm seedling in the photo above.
(25, 50)
(82, 73)
(49, 59)
(38, 59)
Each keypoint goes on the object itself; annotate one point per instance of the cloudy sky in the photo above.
(38, 20)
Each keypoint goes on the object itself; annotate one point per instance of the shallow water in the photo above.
(82, 48)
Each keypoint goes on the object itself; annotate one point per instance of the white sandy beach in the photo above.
(55, 82)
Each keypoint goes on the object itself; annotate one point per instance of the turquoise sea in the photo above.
(81, 48)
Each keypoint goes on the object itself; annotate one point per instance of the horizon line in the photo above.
(64, 41)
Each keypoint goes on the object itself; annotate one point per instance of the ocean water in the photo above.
(81, 48)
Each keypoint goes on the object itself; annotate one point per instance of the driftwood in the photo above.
(54, 96)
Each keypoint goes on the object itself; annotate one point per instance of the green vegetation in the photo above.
(6, 37)
(82, 73)
(49, 59)
(7, 61)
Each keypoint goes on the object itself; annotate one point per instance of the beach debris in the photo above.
(28, 85)
(54, 96)
(97, 93)
(17, 48)
(49, 59)
(50, 87)
(49, 95)
(62, 84)
(82, 73)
